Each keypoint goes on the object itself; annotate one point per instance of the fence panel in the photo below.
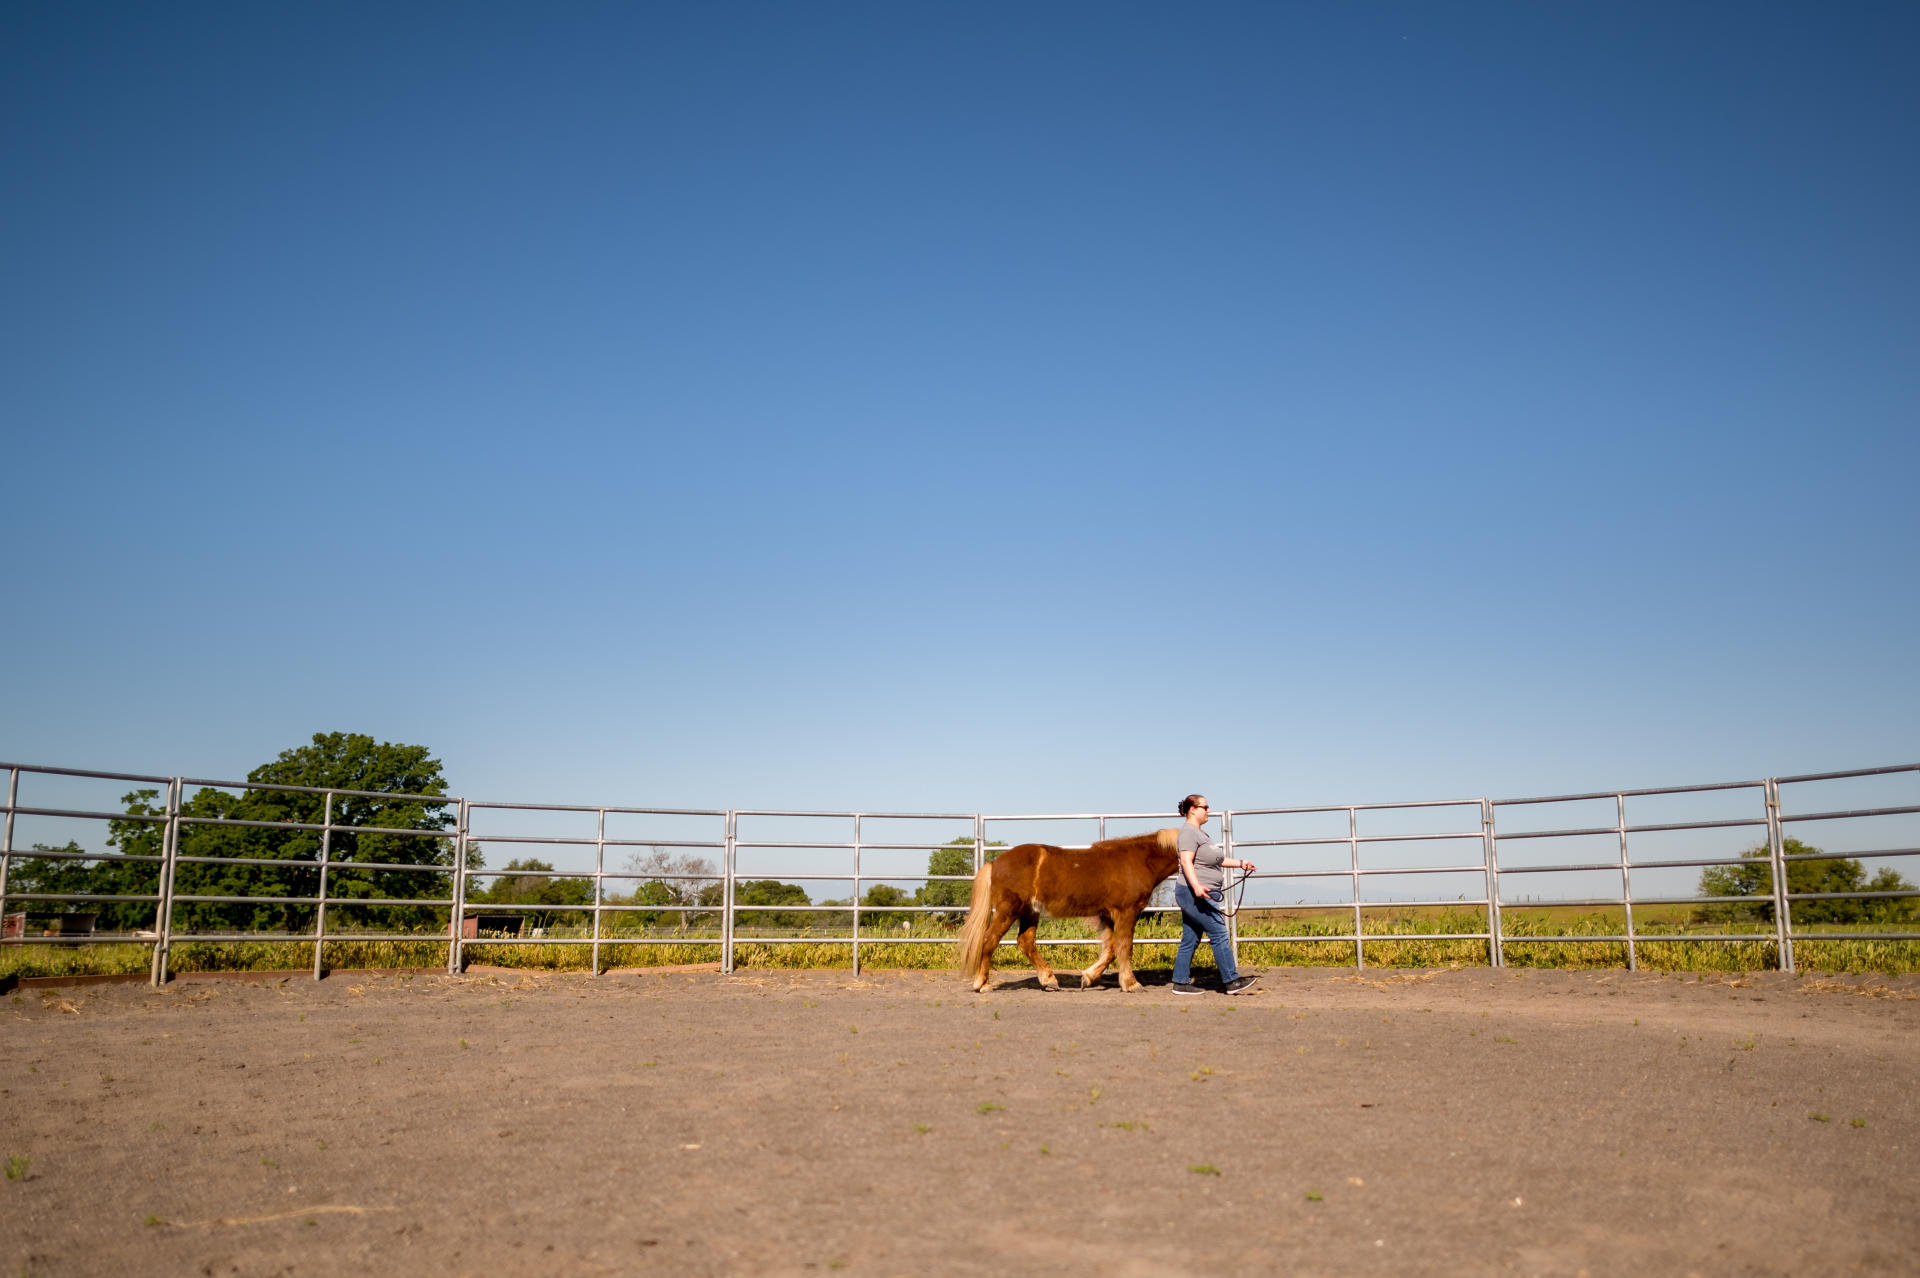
(599, 878)
(1804, 863)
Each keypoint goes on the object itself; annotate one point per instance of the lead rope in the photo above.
(1234, 893)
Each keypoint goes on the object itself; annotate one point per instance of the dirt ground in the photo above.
(1457, 1122)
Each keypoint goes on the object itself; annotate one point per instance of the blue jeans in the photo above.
(1198, 918)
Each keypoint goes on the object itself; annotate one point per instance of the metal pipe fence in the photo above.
(202, 876)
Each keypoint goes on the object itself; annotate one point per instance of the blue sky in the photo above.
(985, 407)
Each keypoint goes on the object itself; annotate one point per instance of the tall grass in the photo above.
(1296, 938)
(219, 956)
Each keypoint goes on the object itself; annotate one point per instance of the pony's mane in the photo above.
(1166, 840)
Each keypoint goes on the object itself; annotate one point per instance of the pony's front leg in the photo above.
(1092, 974)
(1123, 921)
(1029, 927)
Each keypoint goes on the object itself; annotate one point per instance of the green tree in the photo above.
(542, 888)
(257, 862)
(654, 893)
(1753, 877)
(751, 892)
(61, 874)
(956, 857)
(874, 911)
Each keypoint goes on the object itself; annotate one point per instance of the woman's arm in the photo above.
(1191, 875)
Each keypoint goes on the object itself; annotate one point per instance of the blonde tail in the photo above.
(973, 937)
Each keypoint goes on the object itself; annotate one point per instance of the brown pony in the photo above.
(1109, 881)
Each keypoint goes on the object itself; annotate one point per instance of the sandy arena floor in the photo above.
(1459, 1122)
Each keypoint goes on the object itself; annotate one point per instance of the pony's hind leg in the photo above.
(1092, 974)
(999, 921)
(1029, 926)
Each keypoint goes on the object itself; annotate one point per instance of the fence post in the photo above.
(979, 856)
(1626, 881)
(169, 863)
(727, 871)
(1233, 919)
(320, 918)
(1777, 853)
(1353, 846)
(1490, 842)
(599, 870)
(457, 916)
(6, 841)
(856, 894)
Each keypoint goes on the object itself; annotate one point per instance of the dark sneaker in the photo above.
(1188, 988)
(1239, 985)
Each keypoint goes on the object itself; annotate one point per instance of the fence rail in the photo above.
(444, 873)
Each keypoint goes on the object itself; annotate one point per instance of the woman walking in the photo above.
(1198, 890)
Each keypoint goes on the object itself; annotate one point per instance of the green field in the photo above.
(1298, 937)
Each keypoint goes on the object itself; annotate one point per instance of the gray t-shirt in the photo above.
(1207, 855)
